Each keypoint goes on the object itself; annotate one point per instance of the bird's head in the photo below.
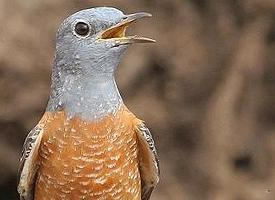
(92, 41)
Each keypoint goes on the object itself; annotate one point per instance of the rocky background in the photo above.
(206, 89)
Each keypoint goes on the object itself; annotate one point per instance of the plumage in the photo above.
(148, 161)
(29, 163)
(81, 159)
(88, 145)
(76, 157)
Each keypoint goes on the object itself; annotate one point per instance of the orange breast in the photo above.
(82, 160)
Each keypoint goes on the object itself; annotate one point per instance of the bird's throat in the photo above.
(89, 98)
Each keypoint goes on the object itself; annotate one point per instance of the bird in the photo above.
(88, 144)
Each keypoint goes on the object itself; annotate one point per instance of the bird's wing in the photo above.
(28, 163)
(148, 161)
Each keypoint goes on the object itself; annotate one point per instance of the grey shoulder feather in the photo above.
(28, 163)
(148, 161)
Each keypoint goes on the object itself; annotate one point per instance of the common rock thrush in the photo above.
(88, 145)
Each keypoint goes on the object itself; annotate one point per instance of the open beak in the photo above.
(118, 31)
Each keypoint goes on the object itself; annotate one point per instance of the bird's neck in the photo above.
(90, 98)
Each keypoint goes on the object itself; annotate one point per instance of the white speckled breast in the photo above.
(81, 160)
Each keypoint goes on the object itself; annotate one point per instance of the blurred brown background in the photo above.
(206, 89)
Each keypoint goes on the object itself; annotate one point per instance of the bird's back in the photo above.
(88, 160)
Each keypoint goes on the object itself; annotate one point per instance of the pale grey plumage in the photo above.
(83, 66)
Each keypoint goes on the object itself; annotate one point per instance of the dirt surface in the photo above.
(206, 90)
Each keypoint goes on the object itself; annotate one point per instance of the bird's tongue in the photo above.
(115, 32)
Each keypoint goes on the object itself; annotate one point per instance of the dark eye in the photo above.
(82, 29)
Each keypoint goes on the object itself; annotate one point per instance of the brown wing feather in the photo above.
(28, 163)
(148, 161)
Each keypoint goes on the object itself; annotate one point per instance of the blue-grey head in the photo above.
(89, 47)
